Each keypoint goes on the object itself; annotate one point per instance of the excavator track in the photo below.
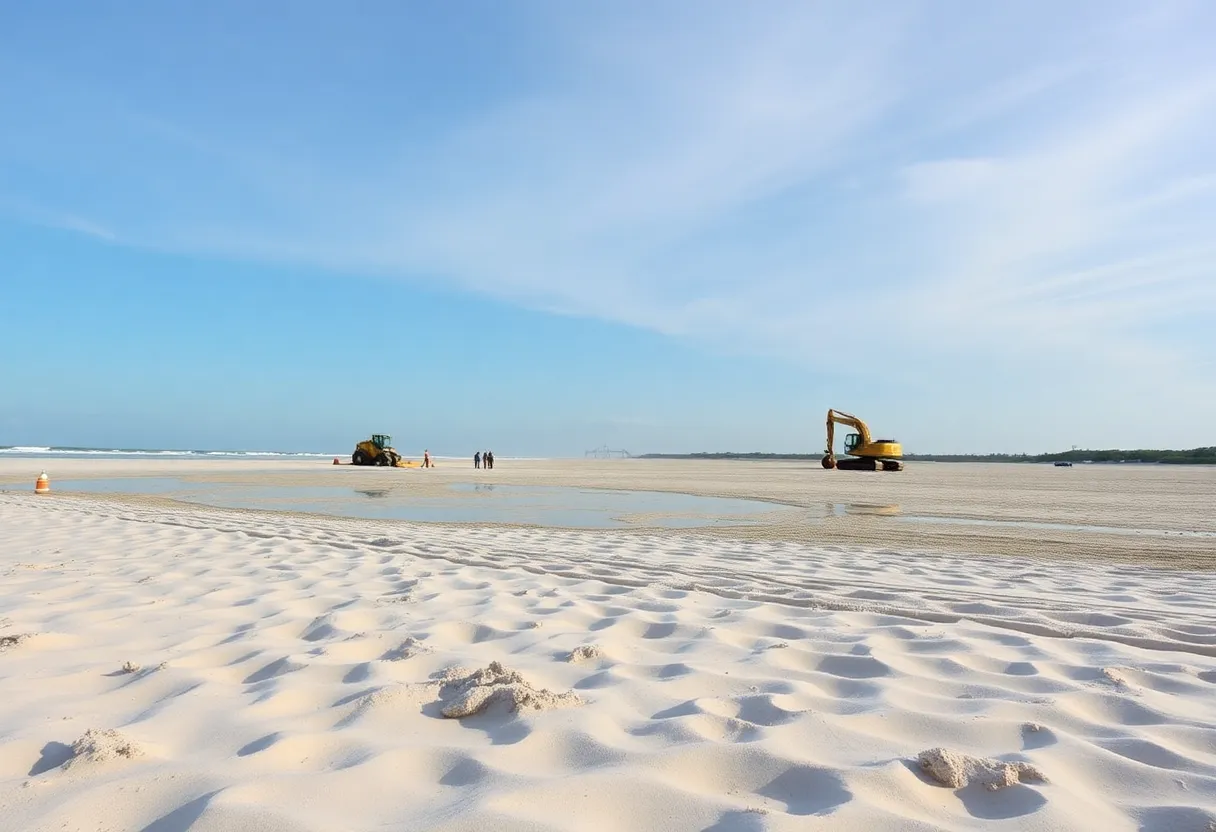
(856, 464)
(868, 464)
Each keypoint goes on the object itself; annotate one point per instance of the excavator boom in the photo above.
(852, 421)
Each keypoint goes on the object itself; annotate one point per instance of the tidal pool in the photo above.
(554, 506)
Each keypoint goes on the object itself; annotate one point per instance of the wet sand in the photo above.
(1164, 513)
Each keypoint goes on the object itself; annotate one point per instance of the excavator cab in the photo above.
(382, 441)
(851, 441)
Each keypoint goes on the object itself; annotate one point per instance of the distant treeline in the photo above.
(1195, 456)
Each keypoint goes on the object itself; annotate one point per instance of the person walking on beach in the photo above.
(489, 459)
(477, 460)
(426, 459)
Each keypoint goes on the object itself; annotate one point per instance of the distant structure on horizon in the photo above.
(607, 453)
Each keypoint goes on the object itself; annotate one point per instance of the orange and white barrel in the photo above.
(42, 485)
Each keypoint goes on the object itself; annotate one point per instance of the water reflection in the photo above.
(372, 492)
(872, 509)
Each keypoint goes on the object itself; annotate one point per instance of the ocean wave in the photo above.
(262, 453)
(53, 451)
(43, 450)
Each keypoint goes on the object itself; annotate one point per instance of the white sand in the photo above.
(166, 669)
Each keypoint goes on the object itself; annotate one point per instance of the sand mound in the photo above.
(465, 693)
(585, 653)
(12, 641)
(101, 746)
(406, 650)
(411, 694)
(956, 770)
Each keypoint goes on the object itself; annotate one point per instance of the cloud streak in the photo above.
(777, 179)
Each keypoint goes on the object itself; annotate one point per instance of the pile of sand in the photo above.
(584, 653)
(12, 640)
(406, 650)
(465, 692)
(957, 770)
(100, 746)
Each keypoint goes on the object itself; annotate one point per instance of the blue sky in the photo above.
(546, 226)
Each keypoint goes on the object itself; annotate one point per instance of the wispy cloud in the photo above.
(23, 210)
(780, 178)
(69, 222)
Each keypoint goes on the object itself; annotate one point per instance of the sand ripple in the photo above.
(303, 670)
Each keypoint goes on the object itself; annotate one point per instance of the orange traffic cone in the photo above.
(43, 484)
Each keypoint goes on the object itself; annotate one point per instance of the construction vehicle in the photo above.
(864, 452)
(377, 451)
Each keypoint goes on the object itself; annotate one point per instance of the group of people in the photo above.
(480, 459)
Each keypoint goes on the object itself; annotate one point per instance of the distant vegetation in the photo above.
(1195, 456)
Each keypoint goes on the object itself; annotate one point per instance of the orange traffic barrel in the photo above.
(43, 484)
(336, 461)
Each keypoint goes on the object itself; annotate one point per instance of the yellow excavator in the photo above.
(379, 450)
(864, 452)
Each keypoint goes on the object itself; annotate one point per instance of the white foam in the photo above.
(53, 451)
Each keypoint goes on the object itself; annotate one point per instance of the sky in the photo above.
(545, 227)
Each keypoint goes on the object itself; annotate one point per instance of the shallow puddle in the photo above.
(554, 506)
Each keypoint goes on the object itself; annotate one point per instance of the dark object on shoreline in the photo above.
(1063, 464)
(378, 450)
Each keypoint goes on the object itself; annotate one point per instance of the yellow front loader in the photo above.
(379, 451)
